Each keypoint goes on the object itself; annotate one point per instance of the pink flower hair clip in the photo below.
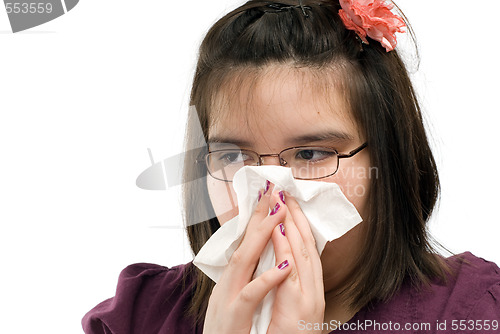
(372, 18)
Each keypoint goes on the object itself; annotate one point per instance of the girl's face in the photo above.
(280, 109)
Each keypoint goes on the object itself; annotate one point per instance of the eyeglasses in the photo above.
(306, 162)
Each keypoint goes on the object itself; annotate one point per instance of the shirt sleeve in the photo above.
(149, 299)
(485, 315)
(95, 325)
(480, 298)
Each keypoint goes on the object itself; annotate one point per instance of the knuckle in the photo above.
(305, 253)
(266, 226)
(245, 296)
(262, 227)
(266, 280)
(261, 209)
(293, 275)
(236, 258)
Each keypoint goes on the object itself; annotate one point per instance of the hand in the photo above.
(236, 296)
(301, 295)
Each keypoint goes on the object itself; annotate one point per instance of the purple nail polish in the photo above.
(267, 186)
(282, 229)
(283, 265)
(282, 196)
(260, 195)
(275, 209)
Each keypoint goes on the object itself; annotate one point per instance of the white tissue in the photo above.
(328, 211)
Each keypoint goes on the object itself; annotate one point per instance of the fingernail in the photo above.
(275, 209)
(282, 196)
(267, 186)
(282, 229)
(260, 195)
(283, 265)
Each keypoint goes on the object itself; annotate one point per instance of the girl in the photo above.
(309, 81)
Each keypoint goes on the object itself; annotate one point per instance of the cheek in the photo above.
(354, 180)
(223, 199)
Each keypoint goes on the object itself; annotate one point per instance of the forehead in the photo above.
(280, 100)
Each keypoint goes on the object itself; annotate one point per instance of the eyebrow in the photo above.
(331, 136)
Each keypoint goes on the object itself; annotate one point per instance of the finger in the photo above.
(300, 253)
(259, 229)
(306, 262)
(304, 228)
(301, 221)
(283, 251)
(255, 291)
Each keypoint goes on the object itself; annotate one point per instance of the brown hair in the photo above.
(383, 102)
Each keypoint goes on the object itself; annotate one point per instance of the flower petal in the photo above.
(372, 18)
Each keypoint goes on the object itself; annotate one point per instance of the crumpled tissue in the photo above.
(328, 211)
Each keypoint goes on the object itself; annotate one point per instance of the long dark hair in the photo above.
(383, 102)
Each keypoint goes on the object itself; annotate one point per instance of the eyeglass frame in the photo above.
(260, 162)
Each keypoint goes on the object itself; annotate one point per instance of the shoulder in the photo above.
(473, 289)
(149, 298)
(471, 293)
(472, 286)
(472, 274)
(155, 279)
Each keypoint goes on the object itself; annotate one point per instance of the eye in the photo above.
(310, 155)
(234, 158)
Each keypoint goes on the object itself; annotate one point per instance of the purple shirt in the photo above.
(152, 299)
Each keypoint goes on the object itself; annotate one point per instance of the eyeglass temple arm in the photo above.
(353, 152)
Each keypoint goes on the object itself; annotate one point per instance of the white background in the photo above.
(84, 96)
